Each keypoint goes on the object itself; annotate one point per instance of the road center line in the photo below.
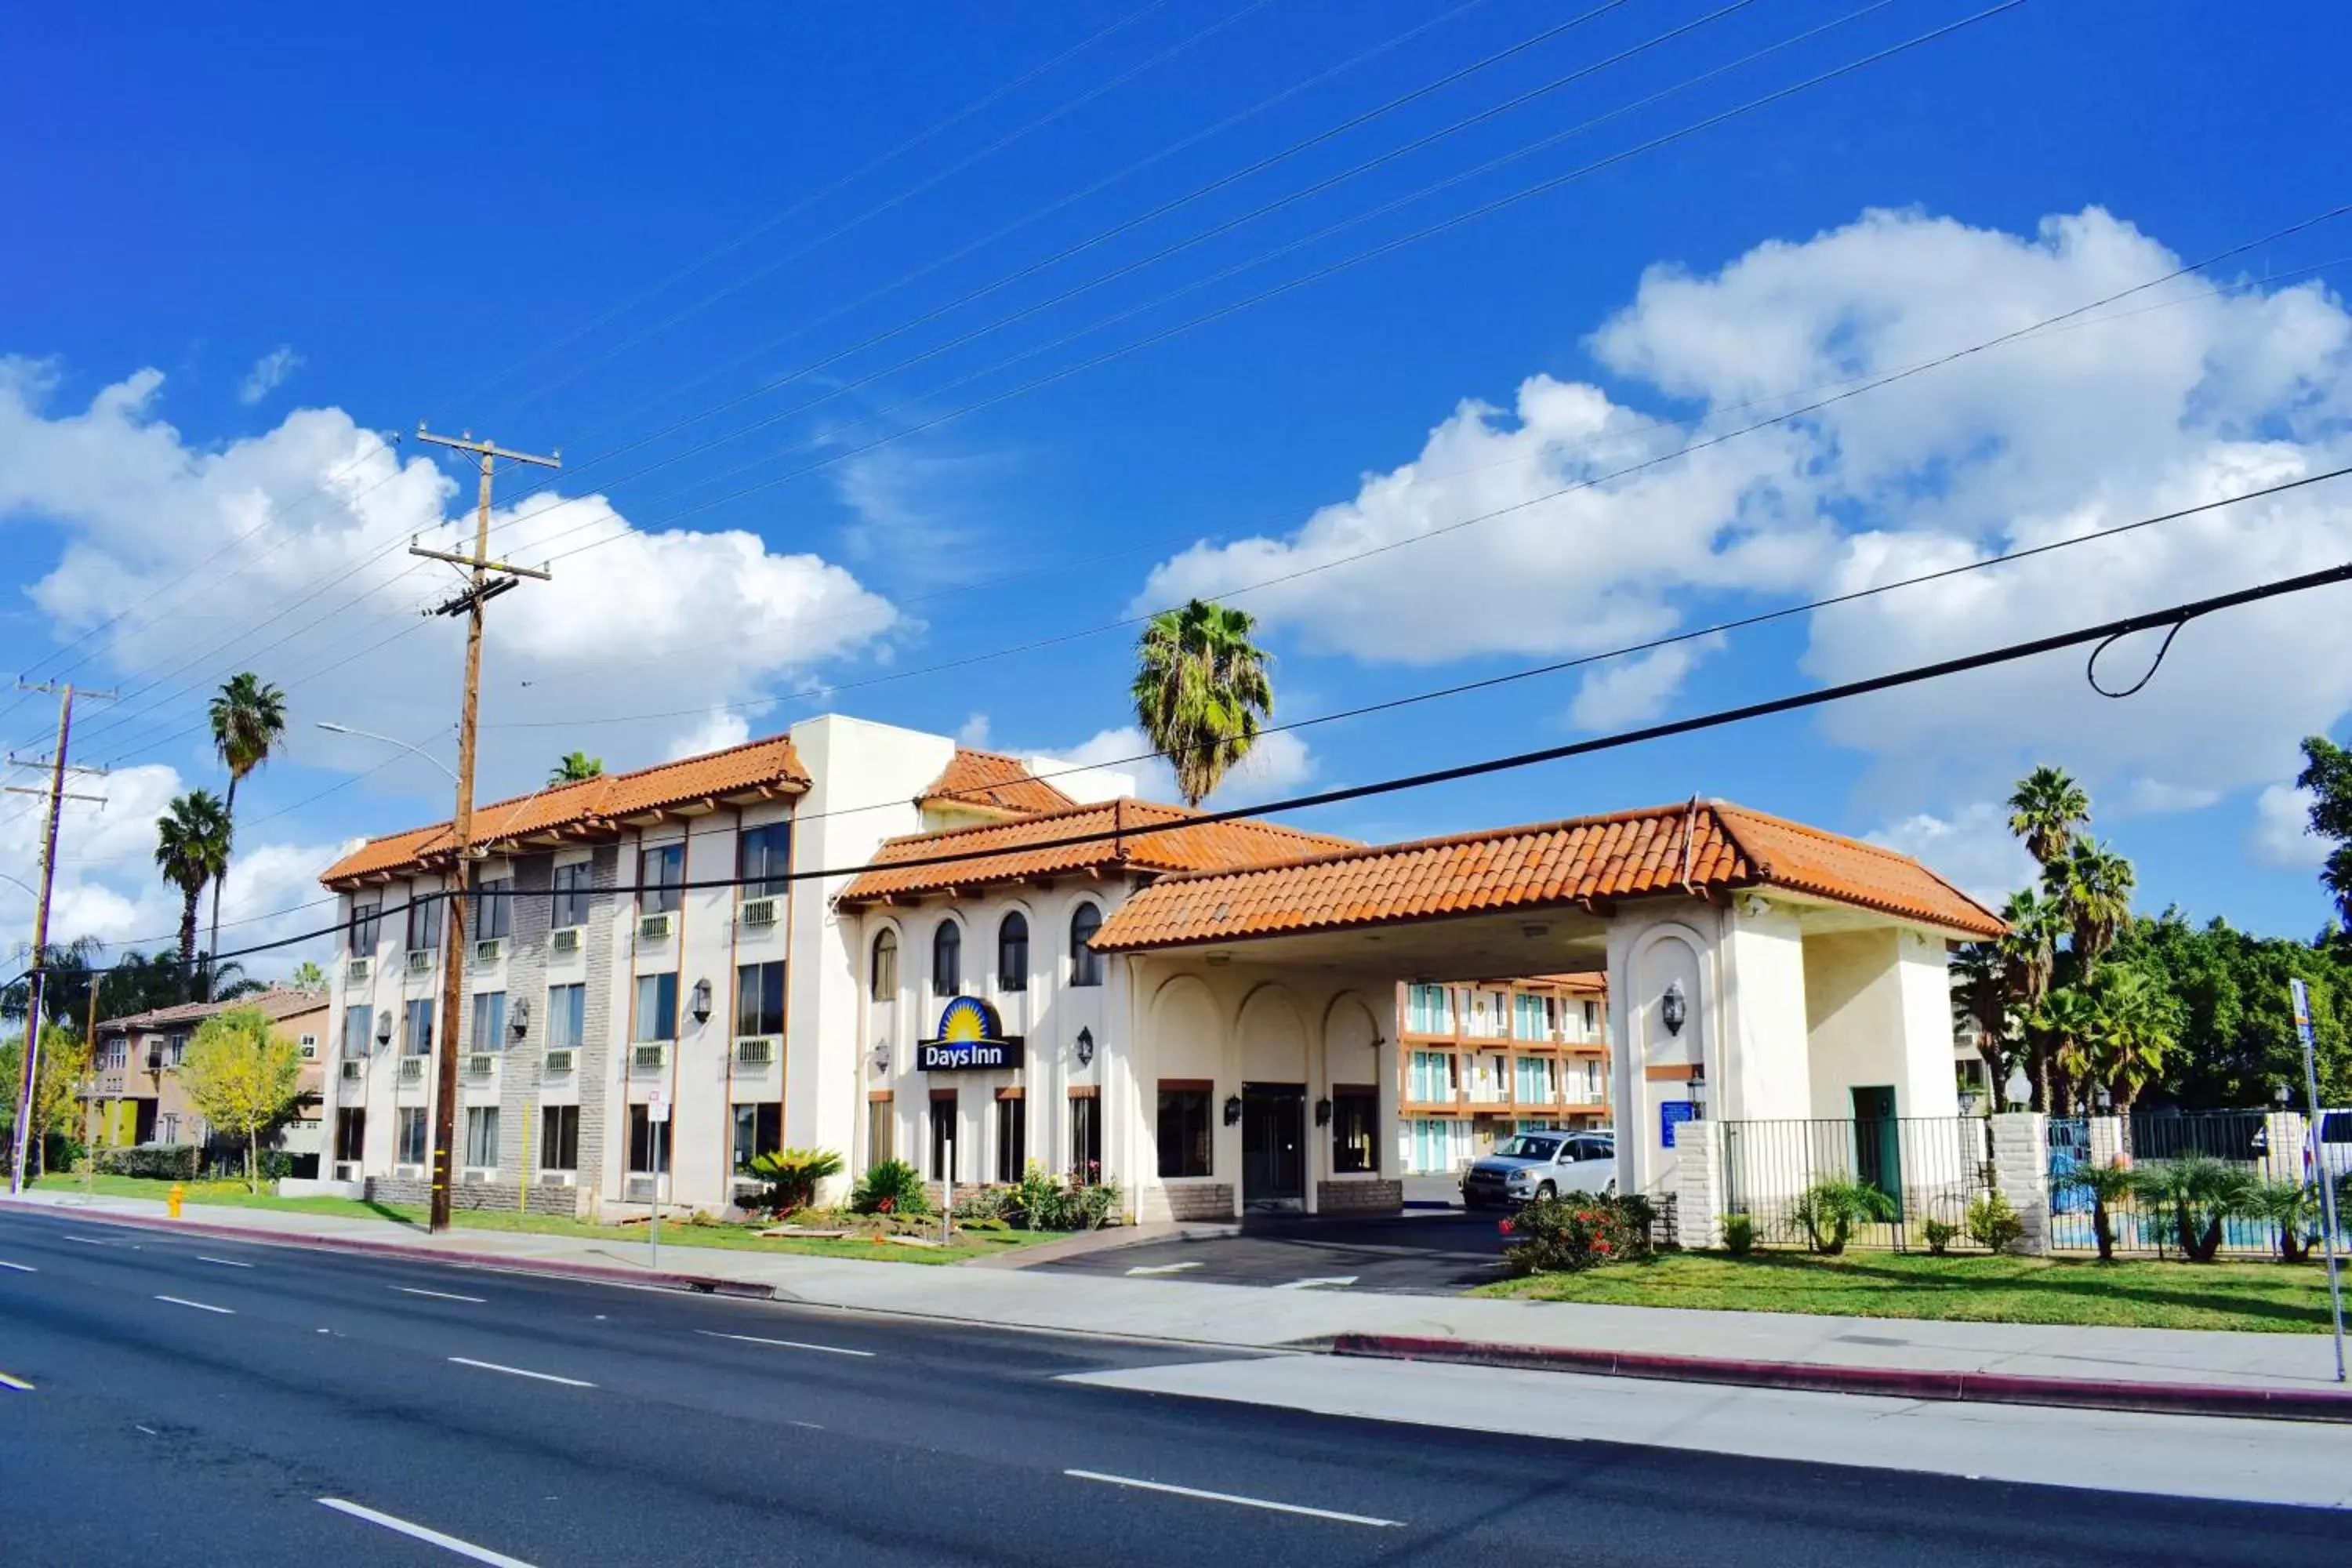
(18, 1383)
(199, 1305)
(439, 1295)
(90, 1241)
(419, 1533)
(518, 1371)
(224, 1262)
(782, 1345)
(1235, 1498)
(19, 1267)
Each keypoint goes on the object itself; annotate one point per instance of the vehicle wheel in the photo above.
(1546, 1192)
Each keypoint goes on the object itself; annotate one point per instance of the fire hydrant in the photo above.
(175, 1198)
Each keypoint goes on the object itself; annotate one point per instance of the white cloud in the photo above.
(1279, 764)
(717, 733)
(1635, 691)
(269, 373)
(2281, 834)
(974, 733)
(1972, 847)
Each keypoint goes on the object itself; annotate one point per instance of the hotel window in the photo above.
(1531, 1023)
(359, 1031)
(881, 1132)
(412, 1135)
(759, 1129)
(168, 1132)
(416, 1028)
(493, 909)
(660, 871)
(1534, 1080)
(883, 985)
(367, 922)
(1430, 1077)
(1592, 1020)
(558, 1138)
(1011, 1138)
(763, 860)
(656, 1007)
(1185, 1135)
(1086, 963)
(644, 1149)
(1429, 1010)
(490, 1021)
(351, 1133)
(481, 1137)
(1355, 1129)
(947, 960)
(569, 907)
(1013, 953)
(1085, 1140)
(567, 1014)
(758, 1000)
(423, 924)
(943, 1134)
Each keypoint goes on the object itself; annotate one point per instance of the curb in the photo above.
(1974, 1387)
(594, 1273)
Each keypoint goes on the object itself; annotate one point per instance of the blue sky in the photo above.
(252, 244)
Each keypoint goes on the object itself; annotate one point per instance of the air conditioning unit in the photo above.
(490, 950)
(310, 1047)
(649, 1057)
(559, 1063)
(759, 913)
(420, 961)
(409, 1172)
(357, 970)
(476, 1176)
(559, 1178)
(347, 1170)
(657, 928)
(481, 1064)
(412, 1069)
(758, 1051)
(639, 1189)
(352, 1072)
(566, 939)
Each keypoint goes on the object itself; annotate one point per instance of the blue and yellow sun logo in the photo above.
(969, 1019)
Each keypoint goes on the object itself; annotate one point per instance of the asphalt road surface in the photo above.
(1414, 1254)
(176, 1399)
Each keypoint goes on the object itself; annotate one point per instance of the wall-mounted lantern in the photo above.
(1323, 1113)
(1673, 1008)
(701, 1007)
(880, 1061)
(1086, 1048)
(1232, 1109)
(383, 1027)
(519, 1018)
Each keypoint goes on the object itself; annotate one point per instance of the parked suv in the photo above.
(1531, 1165)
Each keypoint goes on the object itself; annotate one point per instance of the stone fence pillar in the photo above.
(2020, 1169)
(2286, 1134)
(1699, 1185)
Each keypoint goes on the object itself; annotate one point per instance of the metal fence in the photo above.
(2154, 1139)
(1925, 1167)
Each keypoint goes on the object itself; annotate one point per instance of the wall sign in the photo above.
(971, 1039)
(1672, 1113)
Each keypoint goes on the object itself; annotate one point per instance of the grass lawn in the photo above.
(675, 1233)
(2268, 1297)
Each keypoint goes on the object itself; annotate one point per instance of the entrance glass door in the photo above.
(1273, 1146)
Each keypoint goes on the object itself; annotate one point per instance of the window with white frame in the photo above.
(411, 1127)
(661, 871)
(482, 1137)
(567, 1016)
(416, 1028)
(569, 895)
(758, 1000)
(656, 1017)
(490, 1021)
(493, 909)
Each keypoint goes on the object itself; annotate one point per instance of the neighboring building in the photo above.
(1480, 1062)
(141, 1097)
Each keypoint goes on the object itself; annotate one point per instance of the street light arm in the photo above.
(371, 735)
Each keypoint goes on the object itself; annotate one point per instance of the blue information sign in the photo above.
(1672, 1113)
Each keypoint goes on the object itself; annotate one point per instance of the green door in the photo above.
(1878, 1144)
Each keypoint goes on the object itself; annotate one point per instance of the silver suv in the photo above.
(1531, 1165)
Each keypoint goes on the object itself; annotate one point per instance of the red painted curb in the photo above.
(1976, 1387)
(594, 1273)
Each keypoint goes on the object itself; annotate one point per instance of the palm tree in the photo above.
(2070, 1017)
(248, 720)
(2092, 886)
(192, 842)
(575, 767)
(2046, 808)
(308, 976)
(1200, 691)
(1981, 1001)
(2108, 1184)
(2140, 1024)
(2030, 953)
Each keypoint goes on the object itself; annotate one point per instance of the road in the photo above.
(199, 1400)
(1410, 1253)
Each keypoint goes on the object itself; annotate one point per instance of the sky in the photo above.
(899, 359)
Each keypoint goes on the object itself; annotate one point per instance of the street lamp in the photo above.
(701, 1004)
(2019, 1089)
(372, 735)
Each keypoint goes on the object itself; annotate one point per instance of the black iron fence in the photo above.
(2155, 1144)
(1909, 1170)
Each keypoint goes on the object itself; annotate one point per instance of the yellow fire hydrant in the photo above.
(175, 1198)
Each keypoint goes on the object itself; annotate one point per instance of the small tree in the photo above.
(2294, 1207)
(1833, 1208)
(2198, 1196)
(243, 1076)
(793, 1175)
(53, 1098)
(309, 977)
(2108, 1184)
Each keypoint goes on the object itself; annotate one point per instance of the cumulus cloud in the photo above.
(2282, 832)
(269, 373)
(716, 733)
(1635, 691)
(1278, 764)
(1972, 847)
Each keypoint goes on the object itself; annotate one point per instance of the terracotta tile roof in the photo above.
(279, 1002)
(993, 781)
(1708, 844)
(592, 804)
(1030, 846)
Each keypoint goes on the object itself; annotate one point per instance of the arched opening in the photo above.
(1086, 963)
(882, 975)
(947, 960)
(1013, 953)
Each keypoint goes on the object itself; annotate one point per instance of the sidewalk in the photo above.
(2112, 1367)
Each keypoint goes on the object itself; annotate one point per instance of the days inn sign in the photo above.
(971, 1039)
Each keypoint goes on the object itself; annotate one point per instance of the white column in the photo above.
(2284, 1134)
(2020, 1163)
(1698, 1198)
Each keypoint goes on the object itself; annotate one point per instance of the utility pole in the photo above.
(486, 580)
(58, 795)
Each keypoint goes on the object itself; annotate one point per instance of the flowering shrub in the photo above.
(1567, 1235)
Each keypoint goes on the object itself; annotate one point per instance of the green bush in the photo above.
(275, 1164)
(2294, 1207)
(2108, 1186)
(892, 1187)
(155, 1162)
(1568, 1235)
(1993, 1225)
(1832, 1206)
(980, 1205)
(791, 1176)
(1940, 1234)
(1738, 1234)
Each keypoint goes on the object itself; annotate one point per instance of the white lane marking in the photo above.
(430, 1537)
(149, 1430)
(518, 1372)
(785, 1345)
(1163, 1269)
(90, 1241)
(810, 1424)
(1236, 1497)
(1311, 1284)
(18, 1383)
(438, 1295)
(224, 1262)
(19, 1267)
(199, 1305)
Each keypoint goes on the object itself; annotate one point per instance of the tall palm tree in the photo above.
(1980, 1000)
(2092, 886)
(575, 767)
(248, 720)
(2046, 808)
(1200, 691)
(2030, 958)
(192, 844)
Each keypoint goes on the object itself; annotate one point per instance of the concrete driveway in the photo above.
(1418, 1253)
